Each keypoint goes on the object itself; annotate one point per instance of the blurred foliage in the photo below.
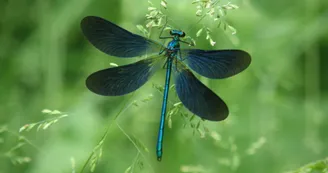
(278, 106)
(317, 166)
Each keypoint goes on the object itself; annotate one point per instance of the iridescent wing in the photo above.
(216, 64)
(114, 40)
(197, 98)
(123, 79)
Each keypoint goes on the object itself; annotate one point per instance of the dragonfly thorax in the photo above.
(172, 48)
(173, 45)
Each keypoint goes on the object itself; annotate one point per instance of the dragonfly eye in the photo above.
(183, 34)
(171, 33)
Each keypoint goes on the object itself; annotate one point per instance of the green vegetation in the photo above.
(278, 107)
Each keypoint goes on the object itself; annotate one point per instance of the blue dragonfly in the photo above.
(194, 95)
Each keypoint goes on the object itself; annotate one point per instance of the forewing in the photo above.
(123, 79)
(216, 64)
(114, 40)
(197, 98)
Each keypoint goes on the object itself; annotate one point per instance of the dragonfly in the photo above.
(194, 95)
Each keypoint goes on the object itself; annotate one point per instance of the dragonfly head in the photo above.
(177, 33)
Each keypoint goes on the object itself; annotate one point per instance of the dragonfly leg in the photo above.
(180, 56)
(165, 64)
(190, 44)
(176, 65)
(161, 50)
(160, 35)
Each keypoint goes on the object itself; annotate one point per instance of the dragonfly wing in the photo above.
(123, 79)
(197, 98)
(114, 40)
(216, 64)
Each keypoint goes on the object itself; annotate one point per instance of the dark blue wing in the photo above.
(216, 64)
(123, 79)
(199, 99)
(114, 40)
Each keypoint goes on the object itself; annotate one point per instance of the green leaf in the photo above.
(151, 8)
(232, 29)
(219, 24)
(139, 144)
(212, 42)
(224, 26)
(198, 124)
(221, 12)
(177, 104)
(169, 122)
(201, 133)
(233, 6)
(216, 136)
(164, 4)
(150, 3)
(199, 32)
(172, 86)
(199, 12)
(211, 12)
(191, 118)
(30, 127)
(206, 129)
(128, 170)
(196, 1)
(63, 116)
(46, 111)
(153, 13)
(167, 28)
(39, 127)
(56, 112)
(208, 36)
(23, 128)
(141, 28)
(150, 24)
(93, 167)
(135, 103)
(256, 145)
(46, 125)
(208, 4)
(100, 152)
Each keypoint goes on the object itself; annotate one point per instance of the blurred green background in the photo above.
(278, 106)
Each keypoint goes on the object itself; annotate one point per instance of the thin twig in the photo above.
(106, 132)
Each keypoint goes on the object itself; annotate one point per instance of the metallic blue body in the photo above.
(159, 147)
(171, 52)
